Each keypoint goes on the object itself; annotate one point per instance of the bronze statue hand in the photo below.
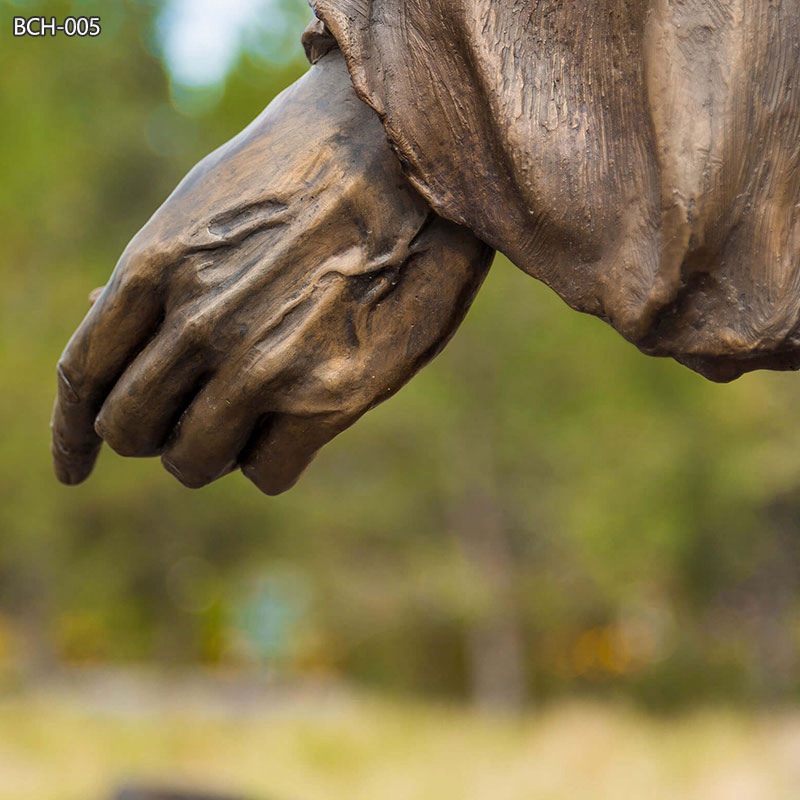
(293, 280)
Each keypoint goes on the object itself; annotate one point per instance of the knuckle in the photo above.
(139, 267)
(147, 249)
(139, 282)
(343, 386)
(144, 266)
(192, 326)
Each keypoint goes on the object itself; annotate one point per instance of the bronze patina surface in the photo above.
(642, 157)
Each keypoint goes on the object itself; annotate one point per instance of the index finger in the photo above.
(118, 325)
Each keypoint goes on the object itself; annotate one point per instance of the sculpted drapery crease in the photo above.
(642, 157)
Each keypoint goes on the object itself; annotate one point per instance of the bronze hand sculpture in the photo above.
(293, 280)
(642, 157)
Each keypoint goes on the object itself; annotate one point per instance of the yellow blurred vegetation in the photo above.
(324, 743)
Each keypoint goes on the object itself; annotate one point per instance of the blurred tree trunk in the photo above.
(772, 601)
(494, 640)
(478, 521)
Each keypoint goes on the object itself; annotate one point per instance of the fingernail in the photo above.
(67, 389)
(171, 468)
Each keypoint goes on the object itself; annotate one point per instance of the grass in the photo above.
(77, 741)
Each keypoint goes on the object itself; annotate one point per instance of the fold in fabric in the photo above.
(642, 157)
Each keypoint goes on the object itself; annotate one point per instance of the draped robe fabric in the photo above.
(642, 157)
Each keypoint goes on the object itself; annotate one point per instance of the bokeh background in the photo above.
(549, 568)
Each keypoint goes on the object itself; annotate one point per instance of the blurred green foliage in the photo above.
(542, 510)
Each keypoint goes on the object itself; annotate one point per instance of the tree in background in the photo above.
(541, 509)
